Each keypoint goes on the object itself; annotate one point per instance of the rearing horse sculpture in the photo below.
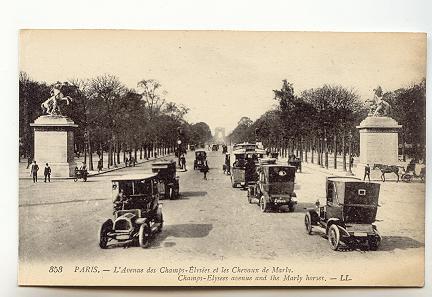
(378, 107)
(51, 105)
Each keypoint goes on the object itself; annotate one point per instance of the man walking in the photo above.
(367, 172)
(183, 162)
(33, 171)
(47, 173)
(205, 169)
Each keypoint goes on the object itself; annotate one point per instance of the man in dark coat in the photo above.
(33, 171)
(47, 173)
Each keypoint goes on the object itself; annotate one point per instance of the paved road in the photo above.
(211, 221)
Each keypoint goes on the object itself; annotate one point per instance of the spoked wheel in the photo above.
(144, 236)
(374, 242)
(333, 235)
(159, 219)
(263, 204)
(103, 233)
(308, 223)
(407, 178)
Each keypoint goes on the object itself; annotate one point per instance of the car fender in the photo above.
(336, 222)
(141, 221)
(314, 216)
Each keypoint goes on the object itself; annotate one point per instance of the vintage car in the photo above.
(238, 168)
(296, 162)
(349, 213)
(274, 186)
(200, 158)
(239, 174)
(80, 174)
(168, 185)
(137, 212)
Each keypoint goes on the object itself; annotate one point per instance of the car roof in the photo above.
(135, 176)
(277, 165)
(345, 179)
(163, 162)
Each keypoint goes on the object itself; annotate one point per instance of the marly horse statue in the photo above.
(51, 105)
(378, 106)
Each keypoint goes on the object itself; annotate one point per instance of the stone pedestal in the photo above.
(378, 144)
(54, 144)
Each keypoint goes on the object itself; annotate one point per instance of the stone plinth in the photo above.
(54, 144)
(378, 143)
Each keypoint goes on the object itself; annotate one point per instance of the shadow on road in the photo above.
(390, 243)
(193, 194)
(180, 231)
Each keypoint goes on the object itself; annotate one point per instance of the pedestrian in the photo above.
(33, 171)
(205, 169)
(126, 162)
(183, 162)
(99, 165)
(367, 172)
(47, 173)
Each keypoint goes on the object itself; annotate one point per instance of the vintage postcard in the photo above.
(221, 158)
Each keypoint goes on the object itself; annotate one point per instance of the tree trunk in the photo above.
(343, 152)
(90, 154)
(335, 151)
(403, 146)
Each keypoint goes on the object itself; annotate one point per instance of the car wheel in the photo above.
(308, 223)
(263, 204)
(333, 236)
(103, 233)
(144, 235)
(374, 242)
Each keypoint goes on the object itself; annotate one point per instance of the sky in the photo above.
(225, 75)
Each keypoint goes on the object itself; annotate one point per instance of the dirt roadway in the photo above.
(211, 221)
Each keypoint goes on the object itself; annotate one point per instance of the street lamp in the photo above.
(179, 142)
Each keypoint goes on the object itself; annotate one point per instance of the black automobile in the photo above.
(137, 212)
(274, 187)
(168, 180)
(349, 213)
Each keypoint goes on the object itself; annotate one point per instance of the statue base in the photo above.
(54, 144)
(378, 144)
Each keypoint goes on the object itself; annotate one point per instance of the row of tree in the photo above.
(112, 118)
(324, 119)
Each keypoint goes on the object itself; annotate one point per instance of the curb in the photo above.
(97, 173)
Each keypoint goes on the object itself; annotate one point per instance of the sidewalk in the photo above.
(24, 173)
